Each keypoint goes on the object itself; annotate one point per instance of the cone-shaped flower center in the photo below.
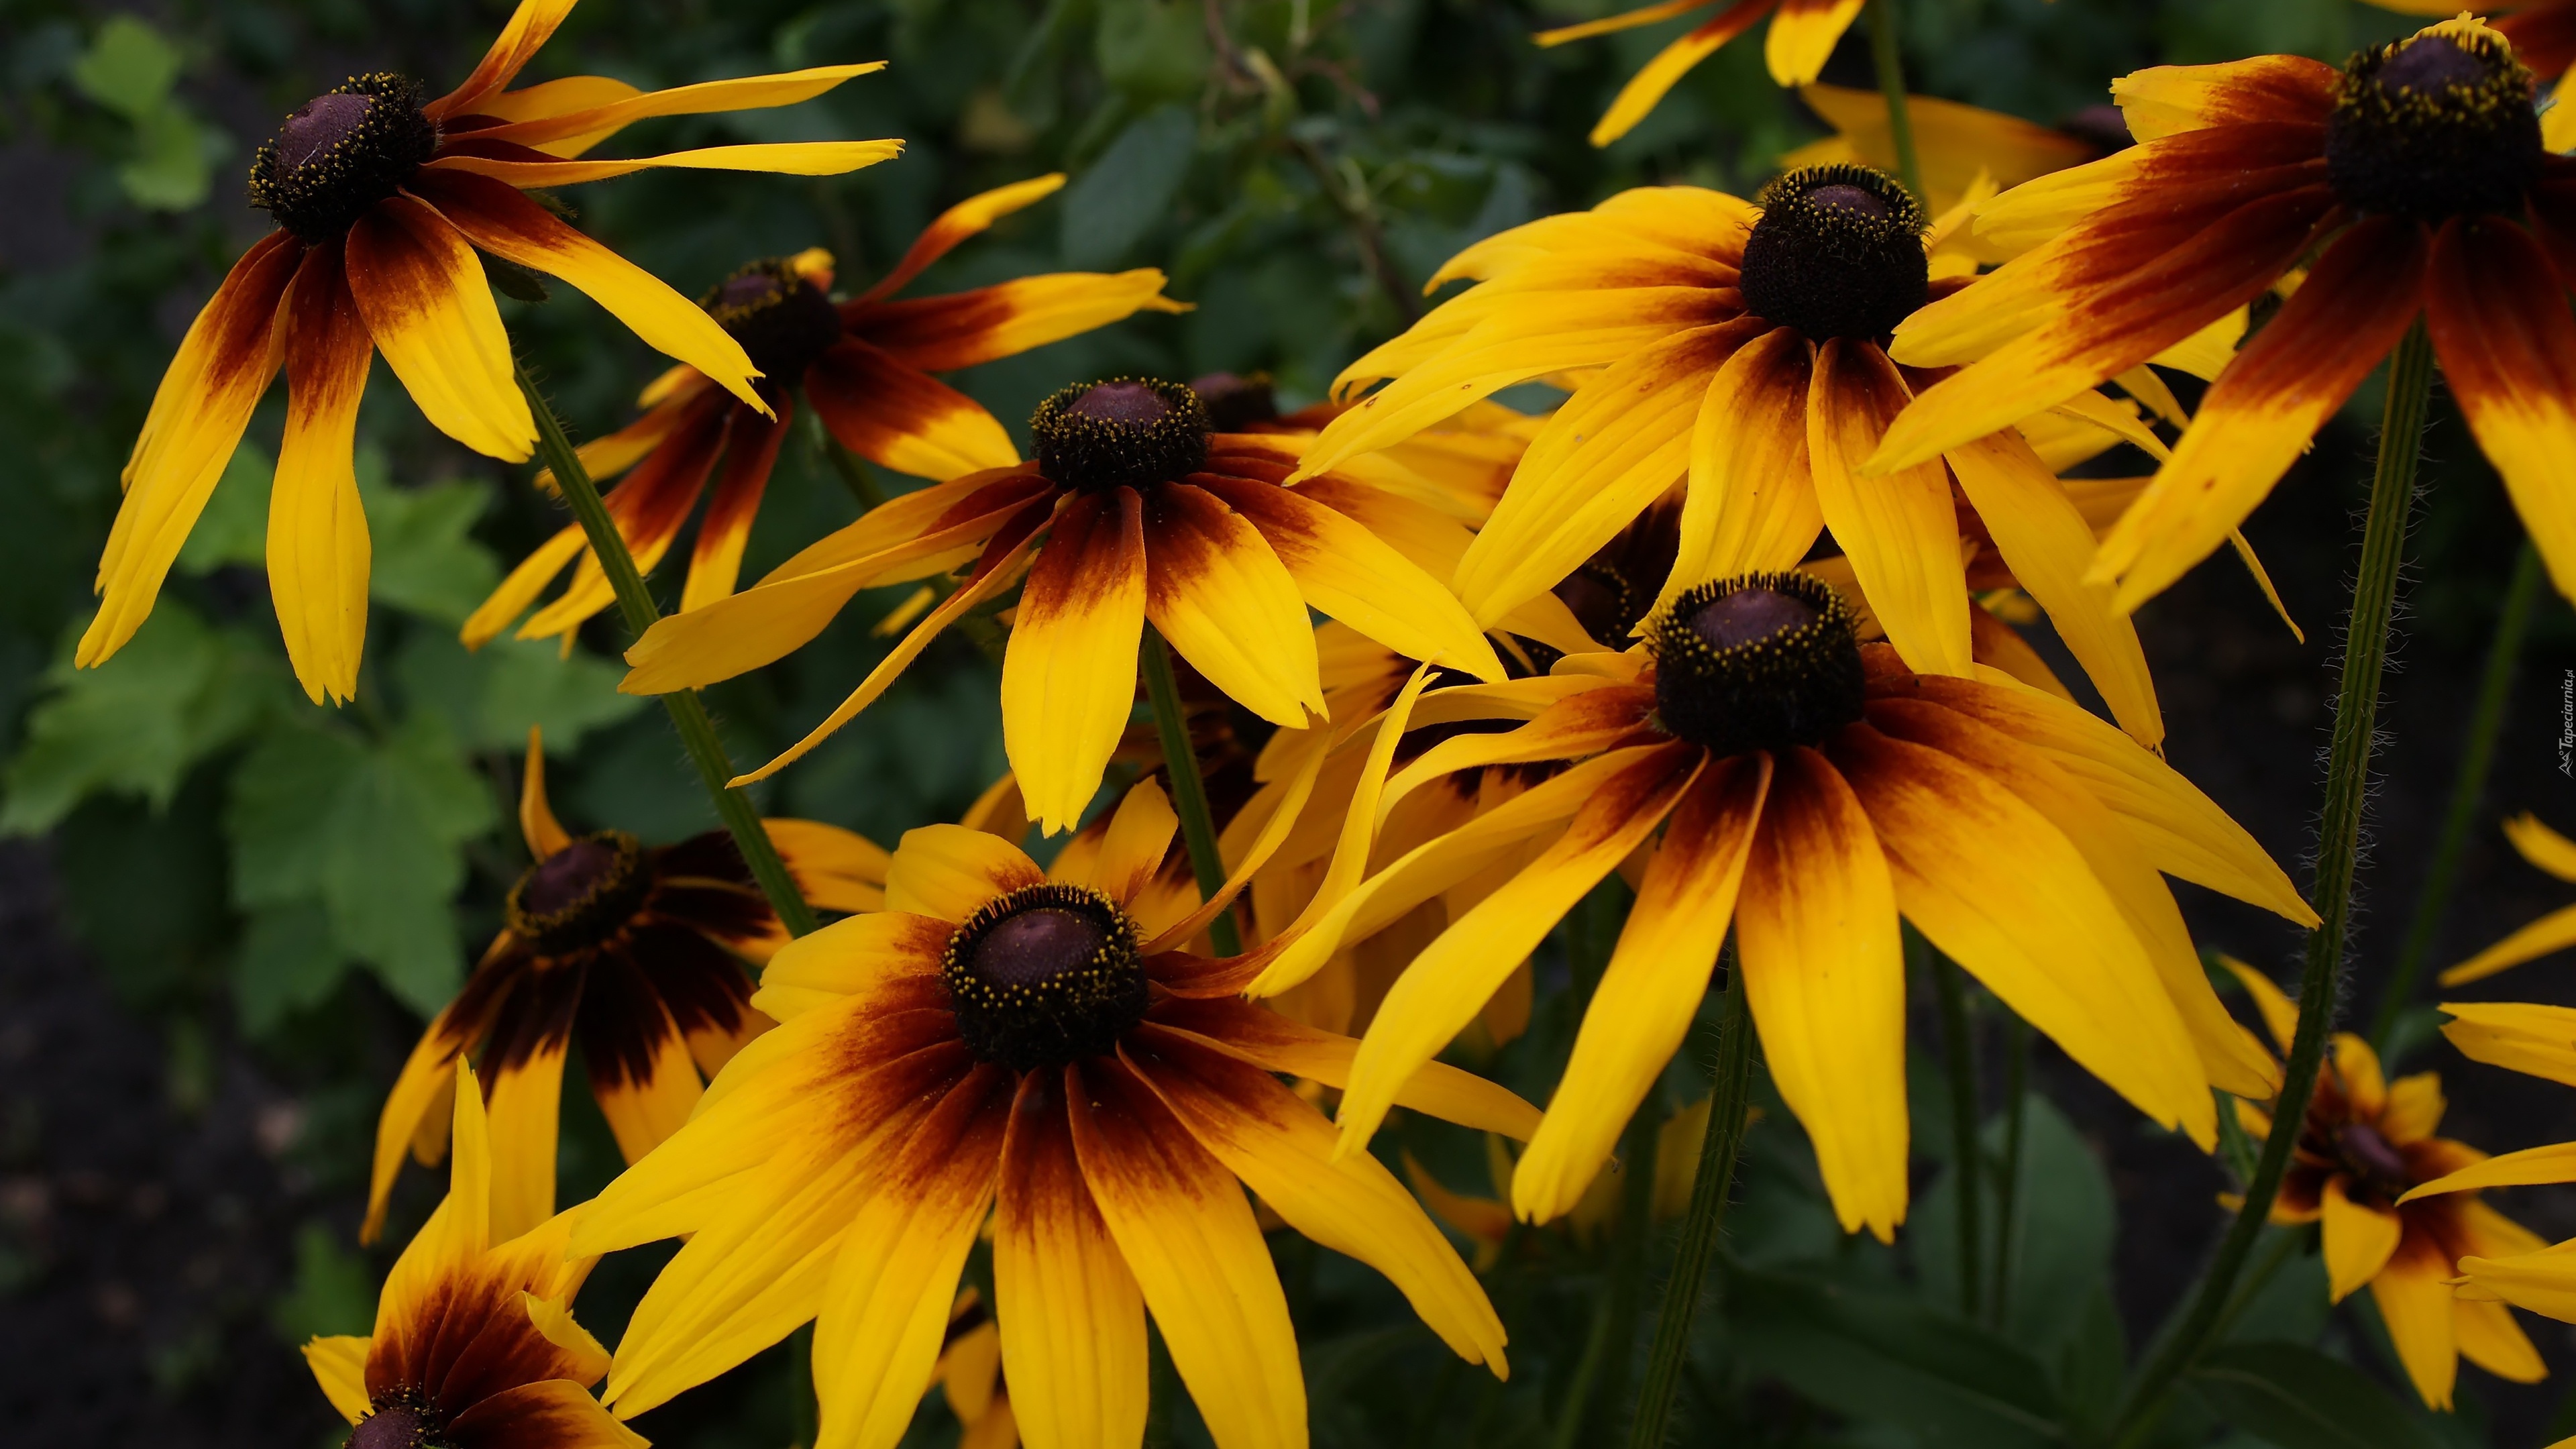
(581, 895)
(399, 1424)
(1235, 402)
(1760, 662)
(1838, 253)
(1044, 976)
(2436, 126)
(1130, 431)
(341, 153)
(783, 321)
(2369, 1157)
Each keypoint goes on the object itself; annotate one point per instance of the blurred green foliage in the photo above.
(319, 879)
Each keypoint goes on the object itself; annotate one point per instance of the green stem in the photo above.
(1959, 1054)
(1710, 1183)
(2008, 1180)
(1628, 1259)
(1189, 792)
(2365, 657)
(1891, 84)
(2468, 788)
(851, 469)
(688, 712)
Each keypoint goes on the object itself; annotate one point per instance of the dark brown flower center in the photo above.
(400, 1422)
(2372, 1160)
(1044, 976)
(783, 321)
(1838, 253)
(1235, 402)
(1124, 431)
(1759, 662)
(2435, 126)
(581, 895)
(341, 153)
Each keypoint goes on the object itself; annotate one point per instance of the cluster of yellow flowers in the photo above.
(1601, 640)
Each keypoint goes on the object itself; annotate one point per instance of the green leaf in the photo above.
(2062, 1233)
(426, 560)
(233, 529)
(173, 164)
(489, 697)
(1876, 1356)
(128, 68)
(1154, 50)
(333, 1293)
(373, 831)
(288, 962)
(2298, 1398)
(178, 691)
(1108, 210)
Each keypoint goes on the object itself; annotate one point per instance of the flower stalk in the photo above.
(1959, 1056)
(688, 712)
(1189, 792)
(1714, 1178)
(2392, 497)
(1891, 84)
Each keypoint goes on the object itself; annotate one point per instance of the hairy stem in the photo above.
(2365, 656)
(1189, 792)
(1891, 84)
(688, 712)
(1710, 1183)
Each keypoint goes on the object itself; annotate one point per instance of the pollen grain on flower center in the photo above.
(2433, 127)
(1044, 976)
(1121, 432)
(1759, 662)
(340, 153)
(398, 1425)
(1838, 253)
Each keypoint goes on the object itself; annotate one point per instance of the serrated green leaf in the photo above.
(288, 961)
(489, 697)
(233, 529)
(128, 68)
(2298, 1398)
(178, 691)
(1109, 207)
(426, 560)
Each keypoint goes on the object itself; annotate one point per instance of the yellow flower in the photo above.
(1816, 789)
(638, 953)
(864, 365)
(2416, 181)
(999, 1038)
(382, 197)
(2369, 1171)
(1132, 511)
(1738, 349)
(1803, 35)
(475, 1344)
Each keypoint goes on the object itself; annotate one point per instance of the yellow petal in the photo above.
(318, 553)
(2359, 1239)
(2537, 1040)
(1069, 676)
(785, 158)
(1900, 531)
(1225, 603)
(1072, 1318)
(742, 93)
(527, 1096)
(339, 1365)
(1751, 504)
(2414, 1299)
(422, 294)
(1803, 35)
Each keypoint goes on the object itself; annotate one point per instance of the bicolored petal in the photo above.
(1824, 976)
(1277, 1043)
(1650, 992)
(529, 28)
(967, 218)
(949, 872)
(1069, 675)
(526, 1102)
(1072, 1318)
(1752, 502)
(523, 167)
(1226, 603)
(1900, 530)
(961, 329)
(899, 417)
(2498, 316)
(318, 553)
(850, 957)
(751, 451)
(1659, 75)
(2359, 1238)
(2167, 100)
(2414, 1296)
(422, 293)
(741, 93)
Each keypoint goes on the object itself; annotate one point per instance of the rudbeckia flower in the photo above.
(2369, 1171)
(865, 367)
(2412, 185)
(2543, 33)
(381, 198)
(637, 953)
(475, 1346)
(1132, 511)
(1813, 791)
(1001, 1039)
(1738, 347)
(1802, 38)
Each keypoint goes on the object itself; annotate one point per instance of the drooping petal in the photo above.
(529, 28)
(2498, 316)
(967, 218)
(1226, 603)
(961, 329)
(1659, 75)
(2359, 1238)
(2536, 1040)
(526, 1098)
(2003, 892)
(520, 166)
(899, 417)
(318, 552)
(2414, 1298)
(422, 293)
(644, 1097)
(877, 1335)
(1072, 1318)
(649, 507)
(1803, 35)
(1283, 1150)
(2541, 846)
(741, 93)
(2263, 410)
(1824, 975)
(1752, 504)
(1650, 992)
(1188, 1236)
(2489, 1338)
(1352, 575)
(339, 1364)
(1277, 1043)
(751, 451)
(1900, 531)
(495, 217)
(1069, 676)
(1453, 977)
